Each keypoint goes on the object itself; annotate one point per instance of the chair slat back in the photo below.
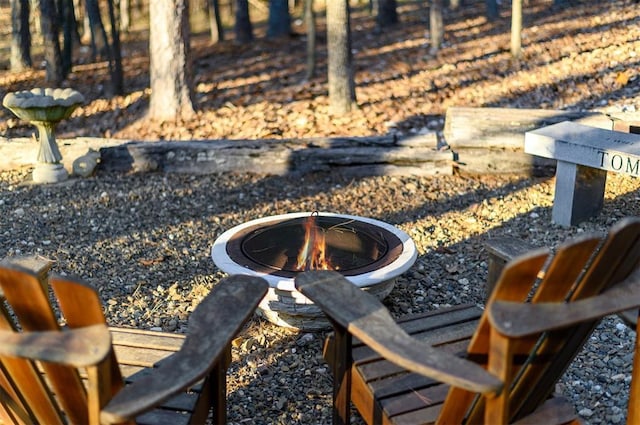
(31, 310)
(580, 268)
(615, 259)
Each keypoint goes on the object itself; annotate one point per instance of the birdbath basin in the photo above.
(44, 108)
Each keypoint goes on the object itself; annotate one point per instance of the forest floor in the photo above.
(583, 56)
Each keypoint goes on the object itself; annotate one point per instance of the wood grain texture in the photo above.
(542, 310)
(225, 309)
(169, 378)
(369, 321)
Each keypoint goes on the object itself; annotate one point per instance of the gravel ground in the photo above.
(144, 241)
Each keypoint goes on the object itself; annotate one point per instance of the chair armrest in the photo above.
(80, 347)
(556, 410)
(212, 326)
(518, 320)
(366, 318)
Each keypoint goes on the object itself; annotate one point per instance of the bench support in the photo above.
(579, 193)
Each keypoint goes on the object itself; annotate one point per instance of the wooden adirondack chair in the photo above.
(466, 365)
(86, 373)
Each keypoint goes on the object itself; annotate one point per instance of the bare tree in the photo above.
(170, 66)
(20, 57)
(516, 28)
(115, 56)
(215, 21)
(387, 14)
(342, 92)
(243, 27)
(436, 25)
(279, 22)
(99, 41)
(310, 22)
(52, 55)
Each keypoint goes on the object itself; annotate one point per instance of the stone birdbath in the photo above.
(44, 108)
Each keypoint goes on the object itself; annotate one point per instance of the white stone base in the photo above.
(49, 173)
(291, 309)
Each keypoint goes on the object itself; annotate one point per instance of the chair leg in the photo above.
(219, 387)
(343, 362)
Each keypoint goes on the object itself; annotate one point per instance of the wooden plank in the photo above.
(500, 161)
(414, 398)
(134, 356)
(227, 307)
(369, 321)
(146, 339)
(30, 303)
(498, 128)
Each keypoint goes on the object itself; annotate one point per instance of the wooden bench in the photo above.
(584, 155)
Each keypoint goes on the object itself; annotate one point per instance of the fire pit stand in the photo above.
(368, 252)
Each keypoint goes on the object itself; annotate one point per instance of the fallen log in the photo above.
(491, 140)
(417, 155)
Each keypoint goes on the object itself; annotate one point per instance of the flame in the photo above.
(313, 255)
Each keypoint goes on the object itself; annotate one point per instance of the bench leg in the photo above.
(579, 193)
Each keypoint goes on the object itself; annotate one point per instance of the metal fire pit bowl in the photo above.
(368, 252)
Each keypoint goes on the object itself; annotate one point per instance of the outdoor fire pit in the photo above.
(368, 252)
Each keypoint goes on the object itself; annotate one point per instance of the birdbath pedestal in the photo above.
(45, 108)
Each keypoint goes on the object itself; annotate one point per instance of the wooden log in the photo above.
(499, 128)
(491, 140)
(418, 155)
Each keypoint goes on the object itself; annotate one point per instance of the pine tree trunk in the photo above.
(125, 15)
(492, 10)
(215, 22)
(279, 22)
(170, 67)
(387, 14)
(310, 22)
(52, 55)
(243, 27)
(516, 28)
(99, 42)
(68, 19)
(342, 95)
(115, 56)
(436, 25)
(20, 57)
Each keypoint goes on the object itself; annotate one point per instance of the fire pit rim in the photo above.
(405, 260)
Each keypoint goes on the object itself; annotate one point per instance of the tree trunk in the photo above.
(68, 19)
(125, 15)
(342, 93)
(170, 66)
(492, 10)
(436, 25)
(243, 27)
(516, 28)
(215, 22)
(310, 21)
(279, 22)
(20, 57)
(99, 42)
(115, 56)
(387, 13)
(52, 55)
